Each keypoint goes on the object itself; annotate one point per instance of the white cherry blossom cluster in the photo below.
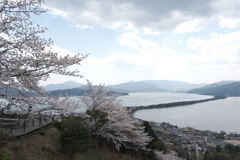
(26, 59)
(121, 128)
(172, 155)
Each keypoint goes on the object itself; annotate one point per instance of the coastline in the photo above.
(174, 104)
(216, 116)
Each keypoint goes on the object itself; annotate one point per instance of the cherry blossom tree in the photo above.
(26, 59)
(106, 117)
(171, 155)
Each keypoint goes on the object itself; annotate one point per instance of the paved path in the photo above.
(18, 130)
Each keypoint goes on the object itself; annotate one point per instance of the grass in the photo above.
(101, 154)
(38, 147)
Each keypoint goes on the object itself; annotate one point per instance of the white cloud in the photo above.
(60, 51)
(129, 26)
(191, 26)
(137, 43)
(179, 41)
(58, 12)
(148, 31)
(153, 17)
(83, 26)
(229, 22)
(218, 56)
(219, 48)
(227, 11)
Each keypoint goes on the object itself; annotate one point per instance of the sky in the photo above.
(196, 41)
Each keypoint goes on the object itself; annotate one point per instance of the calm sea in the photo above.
(137, 99)
(218, 115)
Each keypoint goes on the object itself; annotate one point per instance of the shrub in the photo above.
(58, 125)
(99, 117)
(3, 137)
(155, 143)
(5, 154)
(75, 137)
(42, 132)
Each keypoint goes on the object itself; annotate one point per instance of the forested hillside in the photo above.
(230, 89)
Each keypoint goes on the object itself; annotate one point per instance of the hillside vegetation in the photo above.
(62, 86)
(45, 145)
(76, 92)
(229, 89)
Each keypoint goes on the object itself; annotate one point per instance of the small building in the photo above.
(233, 134)
(220, 143)
(215, 133)
(166, 132)
(198, 134)
(190, 130)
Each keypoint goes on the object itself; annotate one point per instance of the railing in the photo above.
(21, 126)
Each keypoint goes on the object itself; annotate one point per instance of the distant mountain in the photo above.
(9, 91)
(132, 86)
(135, 87)
(217, 84)
(220, 88)
(61, 86)
(173, 85)
(151, 86)
(225, 88)
(75, 92)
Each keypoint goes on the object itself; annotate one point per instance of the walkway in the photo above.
(16, 127)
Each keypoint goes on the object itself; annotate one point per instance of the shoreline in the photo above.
(174, 104)
(232, 137)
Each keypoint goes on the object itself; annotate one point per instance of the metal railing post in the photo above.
(24, 126)
(11, 128)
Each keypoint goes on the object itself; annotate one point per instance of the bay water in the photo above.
(143, 99)
(217, 115)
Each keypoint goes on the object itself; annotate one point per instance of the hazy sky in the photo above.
(196, 41)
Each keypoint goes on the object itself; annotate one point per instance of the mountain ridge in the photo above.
(62, 86)
(222, 89)
(133, 86)
(174, 85)
(76, 92)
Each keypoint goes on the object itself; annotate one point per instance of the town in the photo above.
(194, 141)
